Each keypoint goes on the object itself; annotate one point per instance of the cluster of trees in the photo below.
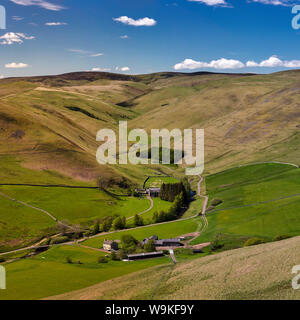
(106, 224)
(169, 191)
(106, 182)
(138, 221)
(173, 212)
(131, 245)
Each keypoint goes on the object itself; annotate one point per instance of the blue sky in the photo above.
(142, 36)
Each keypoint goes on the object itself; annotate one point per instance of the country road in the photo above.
(149, 209)
(204, 208)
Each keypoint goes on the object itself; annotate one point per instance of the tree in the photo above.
(69, 260)
(138, 221)
(63, 227)
(150, 246)
(76, 229)
(128, 243)
(107, 223)
(103, 183)
(119, 223)
(96, 229)
(102, 260)
(114, 256)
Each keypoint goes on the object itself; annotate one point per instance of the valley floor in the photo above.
(255, 273)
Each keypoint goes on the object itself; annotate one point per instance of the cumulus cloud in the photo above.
(273, 62)
(212, 2)
(15, 65)
(215, 64)
(143, 22)
(223, 63)
(40, 3)
(55, 24)
(11, 37)
(123, 69)
(101, 69)
(124, 37)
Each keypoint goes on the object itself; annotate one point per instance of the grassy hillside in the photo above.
(258, 201)
(49, 123)
(239, 274)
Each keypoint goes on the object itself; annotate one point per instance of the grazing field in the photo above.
(167, 230)
(49, 273)
(76, 206)
(20, 225)
(262, 272)
(158, 205)
(258, 201)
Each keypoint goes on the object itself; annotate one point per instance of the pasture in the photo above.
(258, 201)
(75, 206)
(49, 273)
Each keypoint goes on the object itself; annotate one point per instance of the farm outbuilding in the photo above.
(110, 245)
(148, 255)
(168, 243)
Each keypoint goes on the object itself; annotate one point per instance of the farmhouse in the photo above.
(140, 256)
(141, 191)
(145, 241)
(154, 192)
(110, 245)
(168, 243)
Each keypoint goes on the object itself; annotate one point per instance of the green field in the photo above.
(260, 189)
(49, 274)
(73, 205)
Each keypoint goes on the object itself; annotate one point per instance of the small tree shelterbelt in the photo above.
(173, 212)
(170, 191)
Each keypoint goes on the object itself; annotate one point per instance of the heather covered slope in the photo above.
(256, 273)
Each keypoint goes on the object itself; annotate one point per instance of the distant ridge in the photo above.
(94, 76)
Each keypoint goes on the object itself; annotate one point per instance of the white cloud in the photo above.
(15, 65)
(212, 2)
(123, 69)
(274, 62)
(17, 18)
(285, 3)
(124, 37)
(146, 22)
(101, 69)
(215, 64)
(55, 24)
(2, 76)
(11, 37)
(79, 51)
(223, 63)
(97, 54)
(40, 3)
